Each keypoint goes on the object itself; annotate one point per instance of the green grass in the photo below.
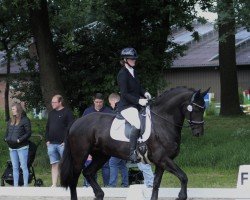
(209, 161)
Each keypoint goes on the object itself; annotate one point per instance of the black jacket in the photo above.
(22, 131)
(130, 89)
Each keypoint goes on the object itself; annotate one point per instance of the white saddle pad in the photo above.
(117, 130)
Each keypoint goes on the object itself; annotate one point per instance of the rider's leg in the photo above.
(131, 114)
(134, 135)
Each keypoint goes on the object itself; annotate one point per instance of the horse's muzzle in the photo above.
(197, 130)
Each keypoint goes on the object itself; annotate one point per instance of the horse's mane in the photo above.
(173, 92)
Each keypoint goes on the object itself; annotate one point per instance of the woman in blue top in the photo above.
(132, 96)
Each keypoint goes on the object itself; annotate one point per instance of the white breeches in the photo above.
(131, 114)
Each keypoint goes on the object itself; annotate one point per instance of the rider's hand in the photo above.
(147, 95)
(143, 102)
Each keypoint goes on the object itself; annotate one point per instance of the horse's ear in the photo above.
(205, 92)
(196, 94)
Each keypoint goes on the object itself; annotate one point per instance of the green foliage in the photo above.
(13, 26)
(241, 96)
(242, 12)
(89, 54)
(27, 87)
(211, 109)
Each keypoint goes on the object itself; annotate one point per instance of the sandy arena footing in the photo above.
(134, 192)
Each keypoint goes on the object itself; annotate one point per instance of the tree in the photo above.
(146, 26)
(242, 13)
(13, 33)
(93, 65)
(228, 73)
(50, 79)
(89, 55)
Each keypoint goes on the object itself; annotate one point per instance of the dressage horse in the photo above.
(91, 135)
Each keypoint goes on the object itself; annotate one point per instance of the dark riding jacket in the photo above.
(21, 131)
(130, 89)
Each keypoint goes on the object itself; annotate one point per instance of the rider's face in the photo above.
(131, 62)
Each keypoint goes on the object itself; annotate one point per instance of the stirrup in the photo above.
(134, 158)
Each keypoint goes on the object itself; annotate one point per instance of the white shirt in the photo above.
(131, 70)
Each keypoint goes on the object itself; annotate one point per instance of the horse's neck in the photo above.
(168, 124)
(168, 105)
(170, 108)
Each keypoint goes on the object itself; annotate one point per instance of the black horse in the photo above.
(91, 135)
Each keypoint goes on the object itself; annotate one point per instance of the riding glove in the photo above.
(147, 95)
(143, 102)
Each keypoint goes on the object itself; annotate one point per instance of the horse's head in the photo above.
(194, 112)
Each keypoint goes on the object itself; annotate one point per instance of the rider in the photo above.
(132, 95)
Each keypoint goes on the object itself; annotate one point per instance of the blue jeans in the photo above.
(147, 174)
(55, 152)
(105, 174)
(116, 164)
(16, 156)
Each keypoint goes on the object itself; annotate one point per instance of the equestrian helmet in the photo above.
(129, 53)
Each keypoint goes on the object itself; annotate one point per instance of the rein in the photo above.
(189, 108)
(183, 126)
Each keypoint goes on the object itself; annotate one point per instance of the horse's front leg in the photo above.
(175, 170)
(157, 181)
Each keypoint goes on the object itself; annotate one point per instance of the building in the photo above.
(199, 67)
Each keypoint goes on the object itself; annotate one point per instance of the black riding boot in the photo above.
(133, 141)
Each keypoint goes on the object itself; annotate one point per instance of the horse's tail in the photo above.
(66, 166)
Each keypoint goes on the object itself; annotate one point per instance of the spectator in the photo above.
(17, 136)
(59, 120)
(116, 164)
(147, 174)
(88, 161)
(98, 106)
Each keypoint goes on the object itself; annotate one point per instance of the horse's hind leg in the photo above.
(174, 169)
(73, 185)
(157, 181)
(78, 164)
(89, 172)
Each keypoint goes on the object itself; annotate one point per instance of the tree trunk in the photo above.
(7, 88)
(227, 59)
(7, 80)
(50, 80)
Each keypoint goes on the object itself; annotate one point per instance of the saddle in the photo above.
(120, 128)
(142, 117)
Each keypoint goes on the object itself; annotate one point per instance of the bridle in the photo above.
(192, 122)
(189, 109)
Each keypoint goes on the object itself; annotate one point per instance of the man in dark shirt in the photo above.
(98, 106)
(58, 123)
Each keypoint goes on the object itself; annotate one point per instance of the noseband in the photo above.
(190, 110)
